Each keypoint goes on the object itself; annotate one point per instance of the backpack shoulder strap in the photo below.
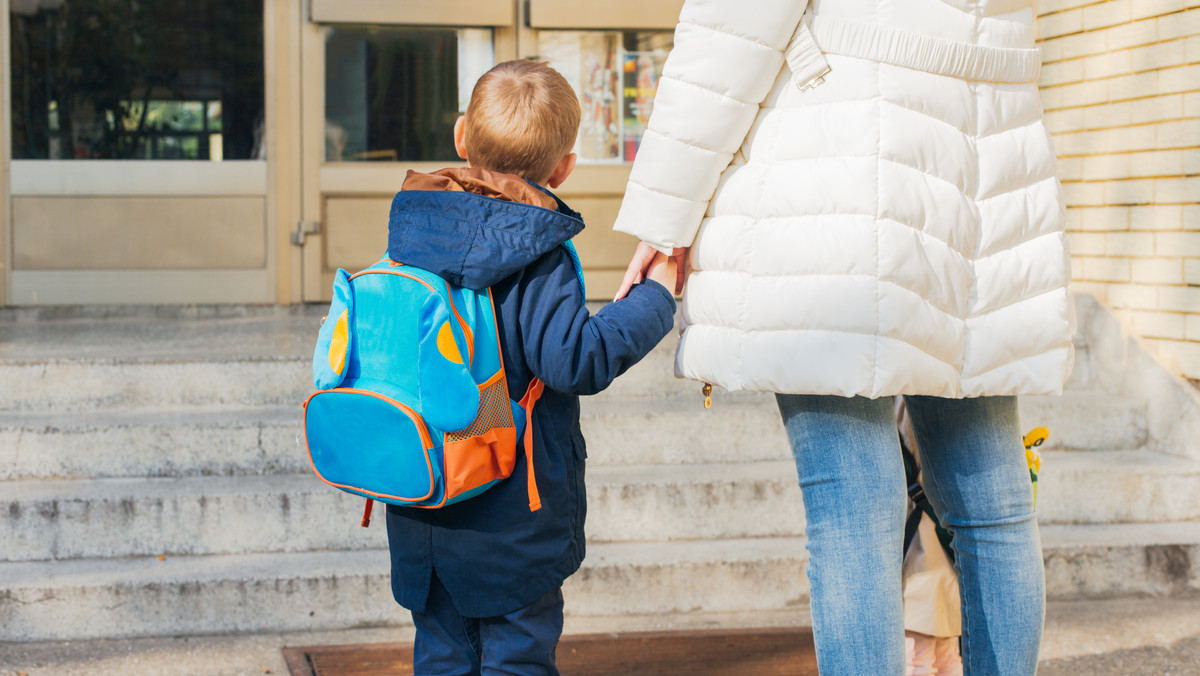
(570, 247)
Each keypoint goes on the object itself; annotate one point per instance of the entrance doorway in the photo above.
(384, 82)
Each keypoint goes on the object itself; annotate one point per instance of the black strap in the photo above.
(917, 494)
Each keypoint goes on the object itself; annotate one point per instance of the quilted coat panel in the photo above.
(895, 230)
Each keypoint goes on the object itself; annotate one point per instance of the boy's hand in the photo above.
(640, 265)
(663, 270)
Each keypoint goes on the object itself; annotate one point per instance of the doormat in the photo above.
(765, 652)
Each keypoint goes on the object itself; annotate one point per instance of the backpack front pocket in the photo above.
(370, 444)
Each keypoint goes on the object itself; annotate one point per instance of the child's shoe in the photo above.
(920, 662)
(947, 661)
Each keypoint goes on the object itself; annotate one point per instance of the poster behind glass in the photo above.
(615, 75)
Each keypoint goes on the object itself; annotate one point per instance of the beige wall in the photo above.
(1121, 89)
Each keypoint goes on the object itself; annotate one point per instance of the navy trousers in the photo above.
(521, 643)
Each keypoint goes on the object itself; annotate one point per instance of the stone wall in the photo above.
(1121, 89)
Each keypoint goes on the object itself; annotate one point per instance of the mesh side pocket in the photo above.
(494, 412)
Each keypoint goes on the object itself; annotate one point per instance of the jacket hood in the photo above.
(475, 227)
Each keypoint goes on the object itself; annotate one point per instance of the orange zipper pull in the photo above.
(707, 392)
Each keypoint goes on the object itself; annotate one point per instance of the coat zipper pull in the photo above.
(707, 392)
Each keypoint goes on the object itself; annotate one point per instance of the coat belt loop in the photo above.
(804, 57)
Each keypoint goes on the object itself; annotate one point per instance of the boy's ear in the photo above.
(561, 171)
(460, 136)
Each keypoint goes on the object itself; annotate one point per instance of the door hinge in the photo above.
(304, 229)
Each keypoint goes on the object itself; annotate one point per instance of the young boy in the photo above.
(483, 577)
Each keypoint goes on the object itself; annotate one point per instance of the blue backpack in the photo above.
(412, 406)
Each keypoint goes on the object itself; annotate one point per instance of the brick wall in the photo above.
(1121, 89)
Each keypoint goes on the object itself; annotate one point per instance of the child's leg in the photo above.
(447, 644)
(921, 663)
(946, 658)
(522, 643)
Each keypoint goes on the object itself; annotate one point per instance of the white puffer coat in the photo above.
(897, 229)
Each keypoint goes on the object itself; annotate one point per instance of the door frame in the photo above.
(5, 155)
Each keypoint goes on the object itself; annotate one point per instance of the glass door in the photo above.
(383, 83)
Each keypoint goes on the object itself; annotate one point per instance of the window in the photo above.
(136, 79)
(393, 94)
(616, 77)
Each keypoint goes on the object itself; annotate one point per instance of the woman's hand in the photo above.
(643, 256)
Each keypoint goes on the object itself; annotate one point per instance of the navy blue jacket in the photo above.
(492, 554)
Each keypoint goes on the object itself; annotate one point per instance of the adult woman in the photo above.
(896, 230)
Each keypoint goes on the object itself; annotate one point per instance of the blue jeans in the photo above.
(852, 477)
(521, 643)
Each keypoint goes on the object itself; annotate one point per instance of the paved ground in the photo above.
(1159, 637)
(1177, 659)
(1129, 637)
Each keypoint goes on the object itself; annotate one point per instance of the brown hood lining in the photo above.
(508, 187)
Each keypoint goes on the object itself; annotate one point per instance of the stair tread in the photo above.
(172, 334)
(186, 414)
(1124, 461)
(77, 490)
(260, 332)
(175, 416)
(1139, 462)
(341, 563)
(1121, 534)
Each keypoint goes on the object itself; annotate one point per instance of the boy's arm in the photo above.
(574, 351)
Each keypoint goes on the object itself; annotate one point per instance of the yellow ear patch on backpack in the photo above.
(446, 344)
(339, 343)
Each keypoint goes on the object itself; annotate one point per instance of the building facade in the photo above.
(240, 151)
(1121, 88)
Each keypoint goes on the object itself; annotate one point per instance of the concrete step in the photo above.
(1082, 420)
(75, 519)
(682, 431)
(339, 589)
(1111, 560)
(151, 442)
(72, 519)
(69, 519)
(88, 385)
(200, 440)
(690, 502)
(191, 441)
(1079, 420)
(1117, 487)
(62, 385)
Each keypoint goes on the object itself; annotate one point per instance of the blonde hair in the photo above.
(522, 119)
